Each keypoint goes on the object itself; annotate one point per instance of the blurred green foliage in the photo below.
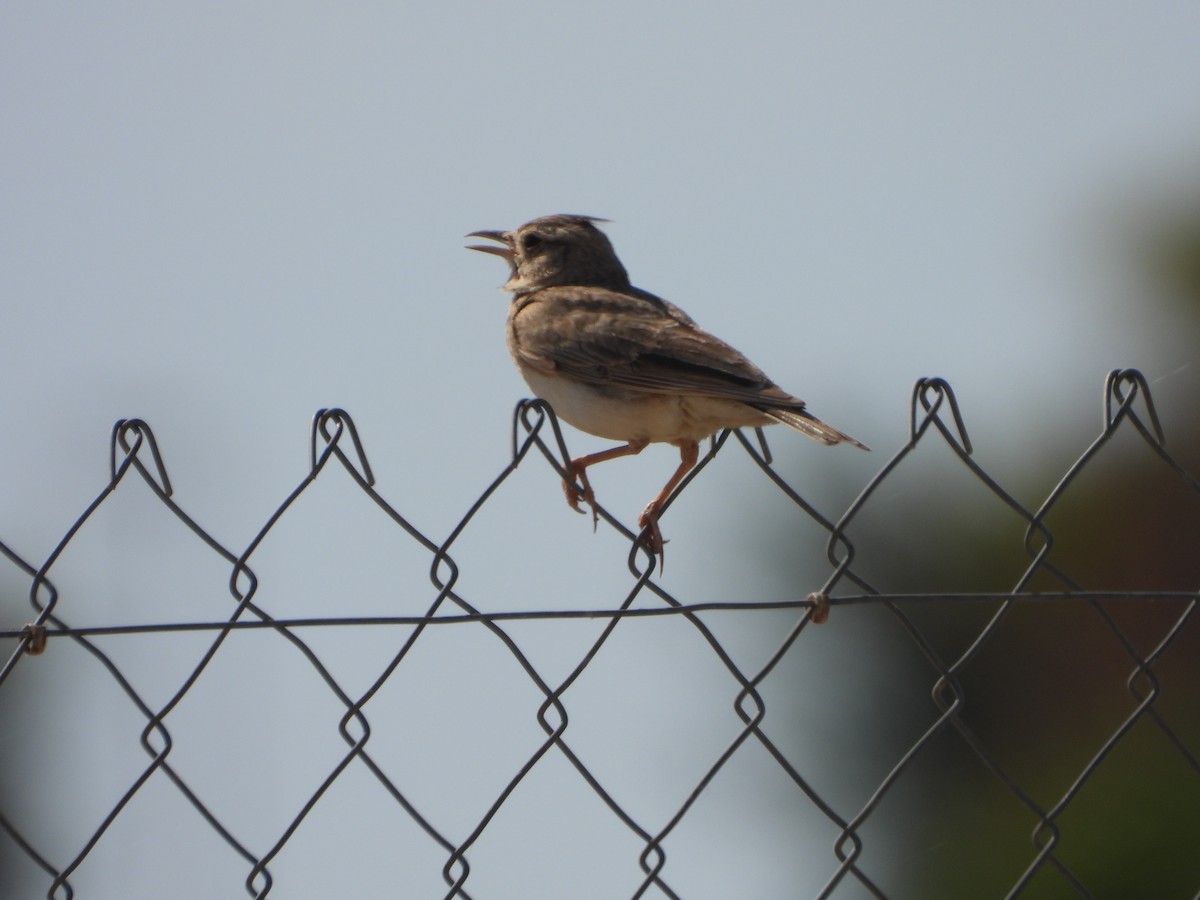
(1054, 681)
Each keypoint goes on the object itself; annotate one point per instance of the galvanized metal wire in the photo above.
(334, 440)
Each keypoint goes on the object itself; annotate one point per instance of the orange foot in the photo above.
(581, 491)
(651, 536)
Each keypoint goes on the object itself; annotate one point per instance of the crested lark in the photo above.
(621, 363)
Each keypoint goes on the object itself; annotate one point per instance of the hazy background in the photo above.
(220, 218)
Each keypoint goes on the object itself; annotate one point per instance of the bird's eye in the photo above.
(531, 241)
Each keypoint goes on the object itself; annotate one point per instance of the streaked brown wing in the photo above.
(607, 338)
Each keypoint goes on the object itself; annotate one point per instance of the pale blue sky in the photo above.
(221, 217)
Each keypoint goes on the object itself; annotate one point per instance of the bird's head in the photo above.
(556, 250)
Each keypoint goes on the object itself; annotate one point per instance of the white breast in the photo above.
(633, 416)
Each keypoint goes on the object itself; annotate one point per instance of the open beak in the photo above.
(504, 251)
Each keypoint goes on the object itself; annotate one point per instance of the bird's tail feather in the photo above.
(808, 424)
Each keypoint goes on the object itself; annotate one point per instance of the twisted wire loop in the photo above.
(935, 417)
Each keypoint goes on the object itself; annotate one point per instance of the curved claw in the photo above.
(581, 491)
(651, 536)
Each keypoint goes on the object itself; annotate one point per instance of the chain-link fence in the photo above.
(1054, 753)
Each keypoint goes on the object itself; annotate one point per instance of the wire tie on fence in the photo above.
(521, 416)
(1114, 389)
(941, 390)
(820, 608)
(34, 635)
(341, 419)
(141, 431)
(545, 413)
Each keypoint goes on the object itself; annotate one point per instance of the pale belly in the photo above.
(632, 416)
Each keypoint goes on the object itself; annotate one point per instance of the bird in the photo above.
(623, 364)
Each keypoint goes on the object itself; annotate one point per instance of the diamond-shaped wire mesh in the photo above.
(1011, 708)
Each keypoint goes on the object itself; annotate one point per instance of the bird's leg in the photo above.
(689, 452)
(577, 471)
